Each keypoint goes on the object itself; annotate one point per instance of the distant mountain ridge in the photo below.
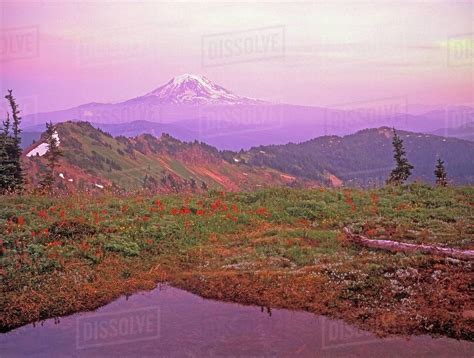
(193, 107)
(464, 131)
(93, 159)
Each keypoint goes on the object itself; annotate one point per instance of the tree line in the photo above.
(12, 177)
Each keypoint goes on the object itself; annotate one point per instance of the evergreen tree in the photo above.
(6, 125)
(11, 173)
(16, 116)
(16, 148)
(5, 168)
(193, 184)
(440, 173)
(52, 157)
(7, 164)
(149, 182)
(174, 183)
(403, 169)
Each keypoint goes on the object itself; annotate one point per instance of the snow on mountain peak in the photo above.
(195, 89)
(186, 77)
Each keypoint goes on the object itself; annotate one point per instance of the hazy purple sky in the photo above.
(58, 55)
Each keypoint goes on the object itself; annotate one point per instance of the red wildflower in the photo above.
(160, 205)
(349, 200)
(43, 214)
(216, 205)
(200, 212)
(21, 221)
(185, 211)
(375, 198)
(9, 226)
(231, 217)
(174, 211)
(304, 222)
(371, 232)
(375, 202)
(219, 204)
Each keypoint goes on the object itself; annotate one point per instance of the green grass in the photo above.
(77, 248)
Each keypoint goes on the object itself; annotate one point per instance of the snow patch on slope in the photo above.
(42, 148)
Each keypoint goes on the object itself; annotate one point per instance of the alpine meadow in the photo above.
(237, 179)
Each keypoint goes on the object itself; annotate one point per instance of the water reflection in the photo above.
(169, 322)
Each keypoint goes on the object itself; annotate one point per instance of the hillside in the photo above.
(366, 158)
(93, 159)
(464, 131)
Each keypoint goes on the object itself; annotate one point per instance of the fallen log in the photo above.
(395, 246)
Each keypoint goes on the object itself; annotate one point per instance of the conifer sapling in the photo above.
(403, 167)
(440, 173)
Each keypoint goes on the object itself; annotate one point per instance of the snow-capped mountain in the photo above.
(192, 107)
(194, 89)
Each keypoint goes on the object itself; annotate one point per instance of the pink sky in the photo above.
(57, 56)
